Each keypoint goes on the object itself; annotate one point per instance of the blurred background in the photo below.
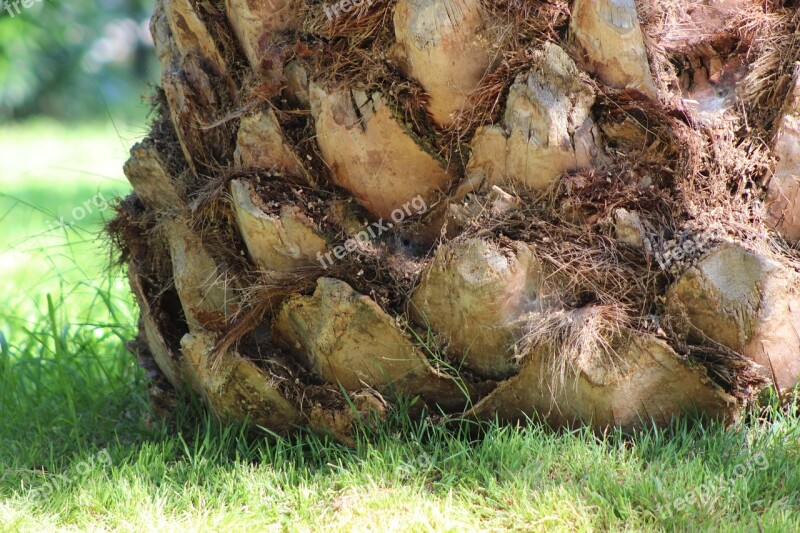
(75, 61)
(75, 80)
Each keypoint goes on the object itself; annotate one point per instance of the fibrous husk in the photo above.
(195, 78)
(346, 338)
(699, 47)
(629, 228)
(148, 172)
(261, 144)
(468, 201)
(234, 387)
(179, 32)
(746, 302)
(297, 84)
(686, 25)
(443, 45)
(279, 243)
(257, 23)
(190, 104)
(207, 296)
(370, 154)
(472, 294)
(547, 129)
(610, 43)
(783, 192)
(150, 324)
(654, 386)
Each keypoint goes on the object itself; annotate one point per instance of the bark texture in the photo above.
(583, 212)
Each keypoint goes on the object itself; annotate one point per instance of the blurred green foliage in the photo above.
(75, 60)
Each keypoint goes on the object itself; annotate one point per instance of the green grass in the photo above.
(80, 449)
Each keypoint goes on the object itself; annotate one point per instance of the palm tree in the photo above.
(582, 212)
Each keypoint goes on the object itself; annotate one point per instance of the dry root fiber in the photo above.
(606, 193)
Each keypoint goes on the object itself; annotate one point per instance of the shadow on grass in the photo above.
(70, 392)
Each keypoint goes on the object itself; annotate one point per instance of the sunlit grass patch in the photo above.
(69, 392)
(57, 186)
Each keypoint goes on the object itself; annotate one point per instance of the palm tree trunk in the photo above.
(579, 211)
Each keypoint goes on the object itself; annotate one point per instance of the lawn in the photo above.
(81, 449)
